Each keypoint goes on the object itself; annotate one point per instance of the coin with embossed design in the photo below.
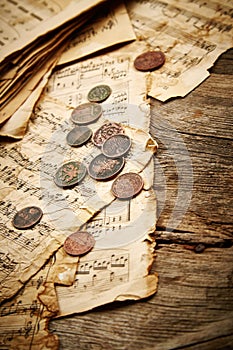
(103, 168)
(99, 93)
(79, 243)
(127, 185)
(86, 113)
(149, 60)
(27, 217)
(78, 136)
(106, 131)
(70, 174)
(116, 146)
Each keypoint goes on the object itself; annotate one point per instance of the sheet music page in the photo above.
(118, 268)
(27, 178)
(127, 103)
(110, 26)
(24, 319)
(191, 33)
(23, 21)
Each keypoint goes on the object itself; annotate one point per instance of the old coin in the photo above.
(149, 60)
(99, 93)
(86, 113)
(27, 217)
(127, 185)
(106, 131)
(79, 243)
(70, 174)
(78, 136)
(103, 168)
(116, 146)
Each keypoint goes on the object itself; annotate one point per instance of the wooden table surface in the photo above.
(193, 307)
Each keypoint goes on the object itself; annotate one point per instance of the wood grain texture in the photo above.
(193, 308)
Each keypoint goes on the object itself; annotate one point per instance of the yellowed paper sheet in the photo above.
(110, 26)
(118, 267)
(23, 22)
(191, 33)
(24, 319)
(27, 177)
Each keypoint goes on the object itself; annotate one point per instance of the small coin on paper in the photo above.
(103, 168)
(99, 93)
(106, 131)
(116, 146)
(86, 113)
(127, 185)
(149, 60)
(70, 174)
(79, 243)
(78, 136)
(27, 217)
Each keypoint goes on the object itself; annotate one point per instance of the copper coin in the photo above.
(27, 217)
(99, 93)
(78, 136)
(103, 168)
(116, 146)
(86, 113)
(149, 60)
(106, 131)
(70, 174)
(127, 185)
(79, 243)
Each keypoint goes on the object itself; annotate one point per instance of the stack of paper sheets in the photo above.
(34, 38)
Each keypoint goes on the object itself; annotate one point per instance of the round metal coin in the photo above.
(70, 174)
(116, 146)
(79, 243)
(27, 217)
(127, 185)
(99, 93)
(103, 168)
(86, 113)
(149, 60)
(78, 136)
(106, 131)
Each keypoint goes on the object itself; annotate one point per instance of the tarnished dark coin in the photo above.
(79, 243)
(106, 131)
(70, 174)
(27, 217)
(103, 168)
(127, 185)
(78, 136)
(86, 113)
(99, 93)
(116, 146)
(149, 60)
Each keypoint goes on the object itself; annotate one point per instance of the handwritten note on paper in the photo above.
(191, 33)
(110, 26)
(24, 319)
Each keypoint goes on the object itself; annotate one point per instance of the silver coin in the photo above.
(78, 136)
